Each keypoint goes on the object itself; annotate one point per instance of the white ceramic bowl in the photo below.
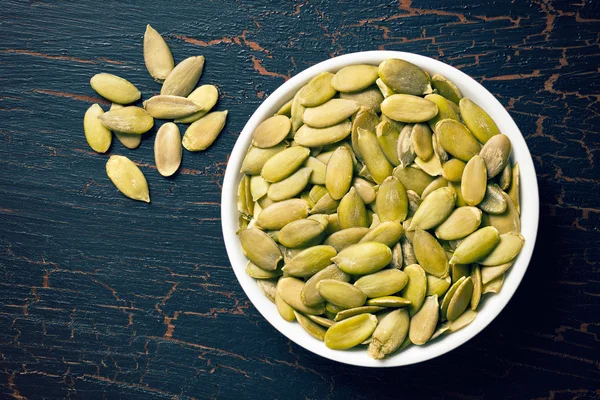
(490, 306)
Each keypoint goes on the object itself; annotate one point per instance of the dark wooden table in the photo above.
(101, 296)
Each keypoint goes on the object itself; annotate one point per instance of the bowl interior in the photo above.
(491, 305)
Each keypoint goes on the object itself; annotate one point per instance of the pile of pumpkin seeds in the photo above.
(378, 206)
(179, 100)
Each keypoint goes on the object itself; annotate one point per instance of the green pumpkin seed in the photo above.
(374, 158)
(408, 252)
(493, 286)
(157, 55)
(260, 249)
(167, 149)
(365, 190)
(509, 220)
(465, 319)
(350, 332)
(430, 254)
(438, 149)
(488, 274)
(385, 90)
(97, 135)
(388, 137)
(474, 181)
(437, 183)
(206, 96)
(256, 272)
(351, 312)
(459, 271)
(129, 140)
(297, 111)
(448, 297)
(366, 119)
(300, 233)
(352, 211)
(278, 215)
(285, 310)
(346, 237)
(290, 186)
(170, 107)
(321, 218)
(284, 163)
(440, 331)
(437, 286)
(333, 309)
(268, 288)
(271, 131)
(363, 258)
(493, 202)
(245, 205)
(202, 133)
(423, 323)
(476, 246)
(370, 97)
(414, 202)
(382, 283)
(389, 334)
(310, 327)
(477, 287)
(446, 110)
(354, 78)
(128, 178)
(340, 293)
(505, 177)
(338, 178)
(389, 301)
(508, 248)
(182, 80)
(446, 88)
(286, 109)
(326, 322)
(432, 167)
(404, 77)
(313, 137)
(114, 88)
(416, 288)
(408, 108)
(310, 294)
(127, 120)
(319, 171)
(331, 113)
(413, 178)
(421, 140)
(391, 201)
(462, 222)
(388, 233)
(460, 201)
(453, 170)
(256, 158)
(289, 289)
(310, 261)
(456, 139)
(317, 91)
(477, 120)
(460, 300)
(258, 187)
(495, 153)
(513, 192)
(325, 205)
(434, 209)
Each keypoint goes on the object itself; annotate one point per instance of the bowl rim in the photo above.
(529, 206)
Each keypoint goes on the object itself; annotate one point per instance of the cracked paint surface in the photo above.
(103, 297)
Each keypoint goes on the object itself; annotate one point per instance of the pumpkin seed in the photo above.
(388, 233)
(170, 107)
(285, 310)
(462, 222)
(437, 183)
(271, 131)
(260, 249)
(493, 202)
(509, 220)
(446, 88)
(477, 120)
(385, 90)
(284, 163)
(129, 140)
(365, 190)
(97, 135)
(354, 78)
(389, 334)
(128, 178)
(416, 288)
(285, 109)
(317, 91)
(167, 149)
(278, 215)
(460, 201)
(414, 202)
(382, 283)
(157, 55)
(459, 271)
(310, 261)
(460, 300)
(477, 287)
(258, 187)
(508, 248)
(432, 167)
(493, 286)
(313, 137)
(338, 178)
(495, 153)
(370, 97)
(421, 140)
(488, 274)
(350, 332)
(182, 80)
(127, 120)
(325, 205)
(404, 77)
(300, 233)
(374, 158)
(351, 312)
(297, 111)
(363, 258)
(352, 211)
(434, 209)
(476, 246)
(326, 322)
(256, 158)
(391, 201)
(256, 272)
(413, 178)
(456, 139)
(244, 198)
(268, 288)
(453, 170)
(331, 113)
(290, 186)
(206, 96)
(389, 301)
(465, 319)
(437, 286)
(114, 88)
(438, 149)
(513, 192)
(388, 137)
(202, 133)
(423, 323)
(289, 289)
(310, 327)
(346, 237)
(448, 297)
(405, 149)
(408, 252)
(340, 293)
(430, 254)
(310, 294)
(408, 108)
(505, 177)
(474, 181)
(366, 119)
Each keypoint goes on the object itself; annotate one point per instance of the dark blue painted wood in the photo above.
(101, 296)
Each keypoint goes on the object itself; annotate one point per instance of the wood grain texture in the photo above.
(101, 296)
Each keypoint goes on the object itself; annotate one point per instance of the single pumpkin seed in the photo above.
(285, 109)
(129, 140)
(310, 261)
(182, 80)
(389, 301)
(388, 137)
(290, 186)
(284, 163)
(256, 158)
(97, 135)
(285, 310)
(477, 120)
(430, 254)
(114, 88)
(423, 323)
(370, 97)
(505, 177)
(170, 107)
(313, 137)
(438, 149)
(374, 158)
(352, 211)
(446, 109)
(258, 187)
(404, 77)
(260, 249)
(299, 233)
(157, 55)
(445, 327)
(415, 289)
(290, 289)
(446, 88)
(316, 192)
(326, 322)
(365, 190)
(313, 329)
(414, 202)
(476, 246)
(202, 133)
(434, 209)
(351, 312)
(460, 201)
(477, 287)
(167, 149)
(433, 166)
(354, 78)
(459, 270)
(495, 153)
(278, 215)
(465, 319)
(513, 192)
(408, 252)
(206, 96)
(408, 108)
(413, 178)
(334, 309)
(493, 286)
(462, 222)
(319, 171)
(460, 300)
(488, 274)
(509, 220)
(382, 283)
(385, 90)
(268, 288)
(271, 131)
(317, 91)
(391, 201)
(350, 332)
(244, 199)
(363, 258)
(128, 178)
(388, 233)
(340, 293)
(297, 111)
(326, 205)
(474, 181)
(437, 183)
(127, 120)
(437, 286)
(448, 297)
(493, 202)
(256, 272)
(508, 248)
(310, 294)
(390, 333)
(366, 119)
(421, 140)
(338, 178)
(456, 139)
(346, 237)
(331, 113)
(453, 170)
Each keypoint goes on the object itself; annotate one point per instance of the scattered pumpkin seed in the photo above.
(128, 178)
